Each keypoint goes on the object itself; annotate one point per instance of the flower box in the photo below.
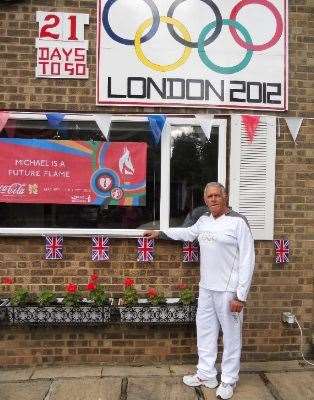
(58, 314)
(172, 312)
(3, 309)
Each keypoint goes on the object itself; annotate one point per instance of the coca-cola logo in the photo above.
(14, 188)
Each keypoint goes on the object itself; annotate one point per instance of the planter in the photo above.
(58, 314)
(3, 310)
(171, 313)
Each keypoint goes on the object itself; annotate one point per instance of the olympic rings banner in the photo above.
(195, 53)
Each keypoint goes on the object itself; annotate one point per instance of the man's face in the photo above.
(215, 201)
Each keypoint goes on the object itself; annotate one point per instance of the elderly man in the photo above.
(226, 269)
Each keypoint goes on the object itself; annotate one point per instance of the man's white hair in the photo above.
(216, 184)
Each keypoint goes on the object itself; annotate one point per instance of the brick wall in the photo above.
(274, 288)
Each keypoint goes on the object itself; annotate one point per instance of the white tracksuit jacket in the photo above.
(226, 251)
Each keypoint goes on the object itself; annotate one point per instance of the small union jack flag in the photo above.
(145, 249)
(54, 247)
(282, 251)
(100, 248)
(190, 251)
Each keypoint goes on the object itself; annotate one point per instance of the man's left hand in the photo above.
(236, 305)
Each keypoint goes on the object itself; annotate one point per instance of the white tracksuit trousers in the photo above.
(214, 311)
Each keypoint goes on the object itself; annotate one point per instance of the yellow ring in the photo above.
(157, 67)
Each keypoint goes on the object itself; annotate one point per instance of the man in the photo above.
(226, 269)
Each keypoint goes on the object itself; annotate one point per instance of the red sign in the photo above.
(65, 172)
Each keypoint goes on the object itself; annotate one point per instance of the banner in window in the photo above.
(72, 172)
(223, 54)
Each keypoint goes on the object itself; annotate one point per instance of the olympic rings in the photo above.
(185, 39)
(210, 64)
(214, 35)
(157, 67)
(128, 42)
(251, 46)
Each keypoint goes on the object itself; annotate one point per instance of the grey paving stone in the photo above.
(135, 371)
(187, 369)
(66, 372)
(85, 389)
(250, 387)
(294, 385)
(24, 390)
(15, 374)
(159, 388)
(271, 366)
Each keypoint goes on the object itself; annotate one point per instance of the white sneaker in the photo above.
(225, 390)
(194, 380)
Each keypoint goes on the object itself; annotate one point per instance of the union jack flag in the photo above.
(145, 249)
(190, 251)
(282, 251)
(54, 247)
(100, 248)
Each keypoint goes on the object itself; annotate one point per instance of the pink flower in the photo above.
(94, 278)
(151, 293)
(91, 286)
(128, 282)
(7, 280)
(71, 287)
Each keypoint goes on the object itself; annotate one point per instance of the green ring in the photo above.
(209, 63)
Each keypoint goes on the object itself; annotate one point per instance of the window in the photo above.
(170, 192)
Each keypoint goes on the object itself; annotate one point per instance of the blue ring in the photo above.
(129, 42)
(115, 181)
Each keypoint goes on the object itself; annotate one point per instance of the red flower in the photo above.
(128, 282)
(71, 287)
(151, 293)
(182, 286)
(94, 278)
(7, 280)
(91, 286)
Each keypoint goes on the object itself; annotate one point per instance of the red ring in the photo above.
(257, 47)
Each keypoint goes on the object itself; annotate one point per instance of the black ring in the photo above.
(129, 42)
(211, 38)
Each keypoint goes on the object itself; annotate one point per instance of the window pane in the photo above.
(194, 162)
(86, 216)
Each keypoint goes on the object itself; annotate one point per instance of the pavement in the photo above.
(279, 380)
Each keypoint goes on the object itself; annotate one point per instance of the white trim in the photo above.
(164, 174)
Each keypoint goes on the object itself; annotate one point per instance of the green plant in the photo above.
(97, 294)
(46, 298)
(21, 297)
(130, 295)
(72, 297)
(154, 297)
(186, 295)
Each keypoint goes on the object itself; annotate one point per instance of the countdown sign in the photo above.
(197, 53)
(61, 48)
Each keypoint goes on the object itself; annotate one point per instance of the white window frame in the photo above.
(220, 123)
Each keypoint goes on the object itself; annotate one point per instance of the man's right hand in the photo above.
(151, 234)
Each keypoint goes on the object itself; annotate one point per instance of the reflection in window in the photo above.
(194, 162)
(86, 216)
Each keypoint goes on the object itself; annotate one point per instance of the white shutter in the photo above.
(252, 175)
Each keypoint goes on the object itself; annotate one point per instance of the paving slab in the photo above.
(136, 371)
(24, 390)
(294, 385)
(11, 375)
(186, 369)
(85, 389)
(250, 387)
(159, 388)
(66, 372)
(271, 366)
